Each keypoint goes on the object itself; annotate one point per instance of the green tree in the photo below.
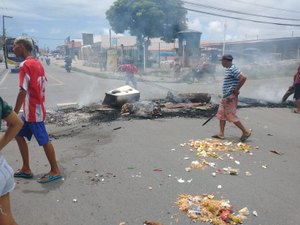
(147, 19)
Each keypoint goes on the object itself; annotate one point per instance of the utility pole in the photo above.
(224, 41)
(4, 37)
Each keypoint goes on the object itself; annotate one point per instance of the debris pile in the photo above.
(207, 209)
(210, 147)
(141, 109)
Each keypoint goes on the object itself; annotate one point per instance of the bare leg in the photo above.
(297, 106)
(242, 128)
(23, 147)
(222, 128)
(50, 153)
(6, 217)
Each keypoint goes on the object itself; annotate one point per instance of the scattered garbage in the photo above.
(207, 209)
(209, 147)
(264, 166)
(148, 222)
(276, 152)
(180, 180)
(247, 173)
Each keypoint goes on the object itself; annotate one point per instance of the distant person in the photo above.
(297, 90)
(31, 97)
(103, 61)
(68, 63)
(7, 182)
(232, 83)
(177, 69)
(130, 70)
(291, 89)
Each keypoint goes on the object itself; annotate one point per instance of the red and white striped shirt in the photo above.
(32, 79)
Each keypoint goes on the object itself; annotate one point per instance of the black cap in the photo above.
(227, 57)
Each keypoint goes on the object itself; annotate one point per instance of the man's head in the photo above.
(226, 60)
(23, 47)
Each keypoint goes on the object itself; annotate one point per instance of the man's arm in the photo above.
(242, 80)
(14, 124)
(20, 100)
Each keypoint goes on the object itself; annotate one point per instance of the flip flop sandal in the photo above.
(48, 178)
(245, 137)
(218, 137)
(21, 174)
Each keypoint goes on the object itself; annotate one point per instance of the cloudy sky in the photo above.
(50, 22)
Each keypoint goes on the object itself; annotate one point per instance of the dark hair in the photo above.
(25, 42)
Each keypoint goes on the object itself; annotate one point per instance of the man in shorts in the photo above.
(232, 83)
(297, 90)
(31, 97)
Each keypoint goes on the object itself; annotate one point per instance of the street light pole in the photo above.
(4, 37)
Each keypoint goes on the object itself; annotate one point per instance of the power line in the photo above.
(267, 7)
(245, 19)
(238, 12)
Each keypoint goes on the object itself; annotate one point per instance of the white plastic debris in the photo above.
(75, 200)
(195, 163)
(244, 211)
(188, 169)
(254, 213)
(214, 174)
(180, 180)
(219, 186)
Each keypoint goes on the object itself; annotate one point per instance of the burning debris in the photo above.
(188, 97)
(144, 109)
(123, 102)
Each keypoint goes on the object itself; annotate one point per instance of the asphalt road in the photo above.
(111, 172)
(128, 171)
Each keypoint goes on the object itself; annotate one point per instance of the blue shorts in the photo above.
(37, 129)
(7, 182)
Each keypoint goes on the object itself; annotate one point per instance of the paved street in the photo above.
(128, 171)
(131, 174)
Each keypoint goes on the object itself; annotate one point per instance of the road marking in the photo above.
(4, 77)
(57, 80)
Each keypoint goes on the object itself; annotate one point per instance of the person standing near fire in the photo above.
(177, 69)
(130, 70)
(31, 97)
(232, 83)
(297, 90)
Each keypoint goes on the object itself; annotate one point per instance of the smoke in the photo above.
(92, 94)
(270, 92)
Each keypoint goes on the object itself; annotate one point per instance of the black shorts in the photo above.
(297, 91)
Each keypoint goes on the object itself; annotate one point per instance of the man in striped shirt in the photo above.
(233, 81)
